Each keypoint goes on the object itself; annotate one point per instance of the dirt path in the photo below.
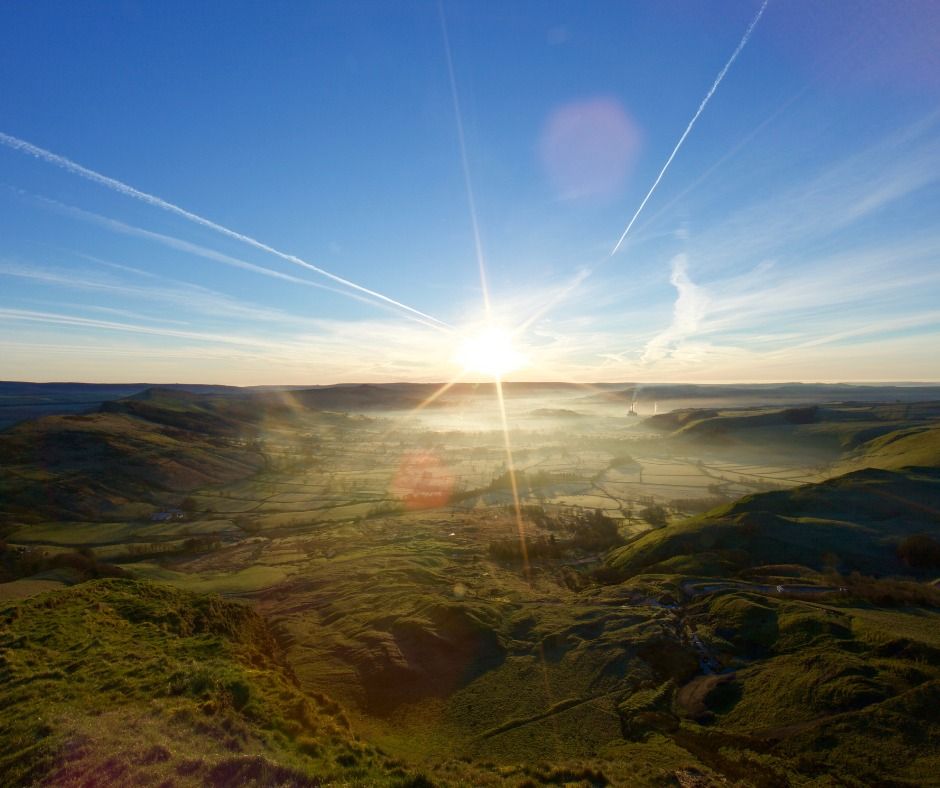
(694, 589)
(557, 708)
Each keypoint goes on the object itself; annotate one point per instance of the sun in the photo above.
(490, 352)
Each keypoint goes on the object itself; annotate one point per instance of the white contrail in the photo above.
(701, 107)
(129, 191)
(211, 254)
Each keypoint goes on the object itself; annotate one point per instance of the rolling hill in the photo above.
(855, 521)
(850, 436)
(141, 450)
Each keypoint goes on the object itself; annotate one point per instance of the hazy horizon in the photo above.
(469, 380)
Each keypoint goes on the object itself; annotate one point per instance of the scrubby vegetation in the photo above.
(583, 531)
(920, 551)
(82, 564)
(891, 592)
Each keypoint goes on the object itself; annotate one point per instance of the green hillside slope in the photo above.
(852, 436)
(91, 466)
(856, 521)
(908, 446)
(124, 682)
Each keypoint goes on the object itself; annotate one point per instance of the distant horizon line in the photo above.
(154, 384)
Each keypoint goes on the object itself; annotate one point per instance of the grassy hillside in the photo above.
(814, 693)
(93, 465)
(908, 446)
(148, 450)
(853, 436)
(854, 522)
(118, 681)
(807, 675)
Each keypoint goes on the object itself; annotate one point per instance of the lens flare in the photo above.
(490, 352)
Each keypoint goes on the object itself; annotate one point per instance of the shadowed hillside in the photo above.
(22, 401)
(97, 464)
(851, 435)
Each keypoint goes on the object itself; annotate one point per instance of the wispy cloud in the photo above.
(687, 314)
(28, 315)
(321, 351)
(764, 288)
(192, 298)
(822, 206)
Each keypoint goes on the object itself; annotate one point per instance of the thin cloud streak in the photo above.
(192, 297)
(560, 295)
(23, 146)
(211, 254)
(734, 151)
(71, 320)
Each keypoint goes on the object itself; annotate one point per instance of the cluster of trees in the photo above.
(531, 481)
(18, 562)
(538, 516)
(249, 525)
(511, 551)
(195, 544)
(595, 531)
(920, 551)
(385, 509)
(623, 461)
(656, 515)
(590, 530)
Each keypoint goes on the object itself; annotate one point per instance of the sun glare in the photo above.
(490, 352)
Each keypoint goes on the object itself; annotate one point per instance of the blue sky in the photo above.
(793, 237)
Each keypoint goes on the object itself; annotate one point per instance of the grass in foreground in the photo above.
(121, 681)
